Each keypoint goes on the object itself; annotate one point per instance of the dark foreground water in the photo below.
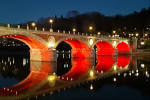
(122, 77)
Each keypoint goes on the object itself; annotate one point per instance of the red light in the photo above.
(123, 48)
(79, 48)
(79, 67)
(104, 63)
(123, 61)
(104, 48)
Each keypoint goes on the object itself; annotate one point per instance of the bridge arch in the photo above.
(104, 48)
(80, 49)
(38, 49)
(123, 48)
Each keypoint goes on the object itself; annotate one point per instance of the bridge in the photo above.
(43, 44)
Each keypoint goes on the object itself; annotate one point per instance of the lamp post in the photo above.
(33, 24)
(51, 23)
(114, 33)
(74, 30)
(90, 29)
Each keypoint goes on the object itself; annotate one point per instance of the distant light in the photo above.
(90, 28)
(114, 31)
(33, 24)
(137, 34)
(125, 74)
(142, 43)
(132, 34)
(51, 20)
(137, 74)
(146, 34)
(132, 71)
(74, 30)
(99, 33)
(91, 73)
(91, 87)
(142, 65)
(114, 79)
(146, 72)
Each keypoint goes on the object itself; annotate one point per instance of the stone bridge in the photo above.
(43, 44)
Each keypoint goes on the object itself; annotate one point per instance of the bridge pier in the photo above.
(43, 55)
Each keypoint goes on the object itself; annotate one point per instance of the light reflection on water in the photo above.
(109, 76)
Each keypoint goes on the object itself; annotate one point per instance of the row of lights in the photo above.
(33, 24)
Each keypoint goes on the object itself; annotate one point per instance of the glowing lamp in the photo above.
(114, 43)
(91, 87)
(91, 73)
(51, 78)
(142, 65)
(90, 28)
(33, 24)
(114, 31)
(91, 41)
(51, 20)
(146, 34)
(115, 67)
(142, 43)
(137, 34)
(50, 45)
(99, 33)
(74, 30)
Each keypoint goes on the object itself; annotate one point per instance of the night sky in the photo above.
(17, 11)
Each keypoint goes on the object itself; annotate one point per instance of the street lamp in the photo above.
(137, 34)
(90, 28)
(74, 30)
(33, 24)
(114, 32)
(99, 33)
(51, 22)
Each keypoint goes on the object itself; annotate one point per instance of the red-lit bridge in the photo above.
(43, 44)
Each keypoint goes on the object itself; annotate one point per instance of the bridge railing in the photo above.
(60, 32)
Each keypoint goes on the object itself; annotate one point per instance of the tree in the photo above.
(72, 13)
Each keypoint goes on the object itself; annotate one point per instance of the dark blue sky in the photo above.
(16, 11)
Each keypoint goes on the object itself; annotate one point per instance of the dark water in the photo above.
(13, 69)
(124, 77)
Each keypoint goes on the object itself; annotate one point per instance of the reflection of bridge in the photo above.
(40, 82)
(43, 44)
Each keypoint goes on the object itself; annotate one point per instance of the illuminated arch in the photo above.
(123, 48)
(104, 48)
(33, 43)
(79, 48)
